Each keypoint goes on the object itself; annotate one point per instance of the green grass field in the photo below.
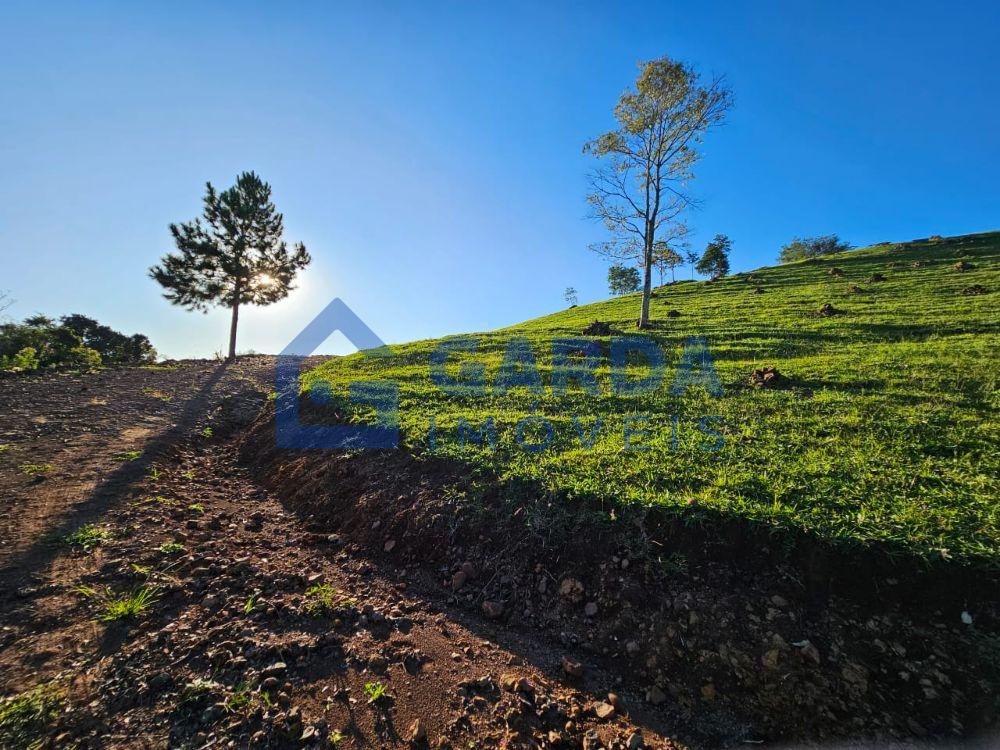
(886, 431)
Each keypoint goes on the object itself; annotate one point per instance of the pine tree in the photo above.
(232, 255)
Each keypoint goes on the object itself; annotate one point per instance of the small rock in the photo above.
(418, 734)
(571, 667)
(389, 546)
(571, 589)
(590, 609)
(275, 670)
(458, 580)
(604, 710)
(655, 695)
(493, 610)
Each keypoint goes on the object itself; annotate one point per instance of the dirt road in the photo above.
(121, 488)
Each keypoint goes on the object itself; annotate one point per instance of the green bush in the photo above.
(25, 359)
(83, 358)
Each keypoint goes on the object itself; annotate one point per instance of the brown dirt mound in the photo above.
(963, 265)
(766, 377)
(829, 310)
(876, 278)
(673, 314)
(598, 328)
(975, 289)
(836, 271)
(732, 626)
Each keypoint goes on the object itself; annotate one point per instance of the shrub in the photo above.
(25, 359)
(83, 358)
(803, 248)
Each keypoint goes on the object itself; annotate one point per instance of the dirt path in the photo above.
(259, 633)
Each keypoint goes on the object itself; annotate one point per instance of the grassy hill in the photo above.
(884, 431)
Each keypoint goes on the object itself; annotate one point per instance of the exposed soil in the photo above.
(234, 651)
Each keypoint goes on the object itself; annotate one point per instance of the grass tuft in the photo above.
(127, 606)
(26, 718)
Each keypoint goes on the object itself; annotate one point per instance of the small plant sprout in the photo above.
(188, 474)
(4, 447)
(172, 548)
(154, 473)
(160, 500)
(322, 597)
(336, 737)
(196, 508)
(128, 606)
(197, 690)
(158, 394)
(35, 470)
(206, 432)
(126, 456)
(87, 537)
(251, 603)
(375, 692)
(240, 699)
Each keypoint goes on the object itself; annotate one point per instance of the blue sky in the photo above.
(429, 154)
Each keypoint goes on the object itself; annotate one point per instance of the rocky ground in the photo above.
(155, 594)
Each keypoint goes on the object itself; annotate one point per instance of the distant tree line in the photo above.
(76, 341)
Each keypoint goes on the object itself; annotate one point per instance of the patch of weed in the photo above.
(126, 606)
(25, 718)
(87, 537)
(158, 395)
(324, 598)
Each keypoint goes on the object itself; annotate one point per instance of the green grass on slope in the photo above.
(887, 431)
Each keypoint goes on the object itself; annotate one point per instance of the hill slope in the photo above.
(884, 431)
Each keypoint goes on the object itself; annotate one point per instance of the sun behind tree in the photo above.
(232, 255)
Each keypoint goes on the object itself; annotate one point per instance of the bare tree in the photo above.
(639, 190)
(691, 256)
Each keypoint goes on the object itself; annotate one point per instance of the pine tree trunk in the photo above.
(232, 332)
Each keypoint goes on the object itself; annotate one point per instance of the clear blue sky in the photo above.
(429, 155)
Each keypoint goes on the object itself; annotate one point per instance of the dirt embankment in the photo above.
(745, 636)
(253, 631)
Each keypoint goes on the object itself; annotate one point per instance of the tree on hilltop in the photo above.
(232, 255)
(639, 190)
(803, 248)
(666, 258)
(623, 279)
(715, 260)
